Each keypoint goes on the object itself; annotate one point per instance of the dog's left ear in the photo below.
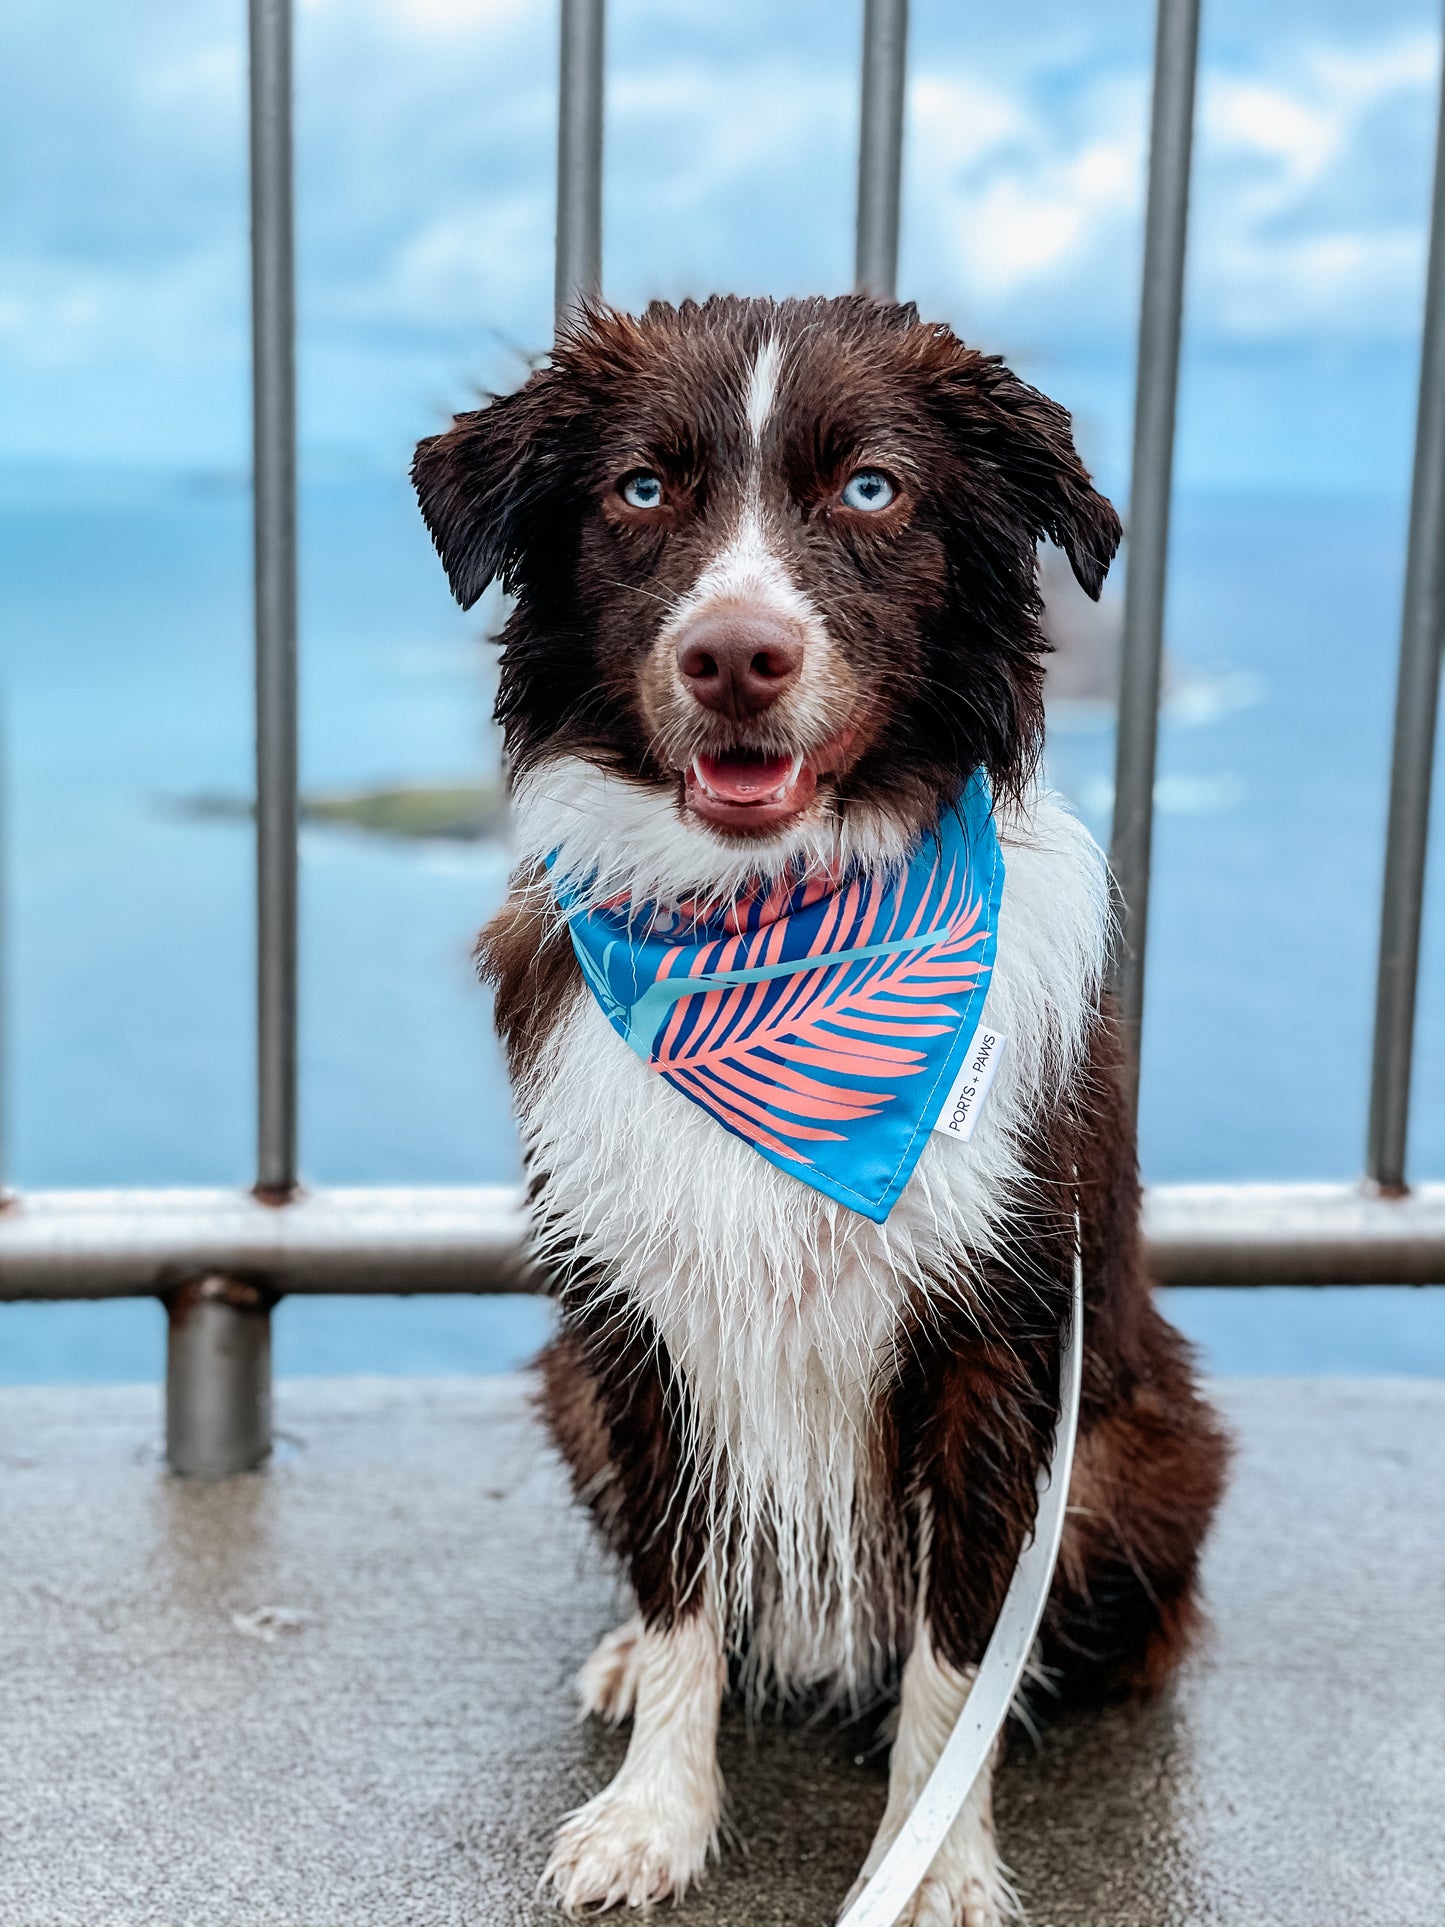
(480, 481)
(1028, 441)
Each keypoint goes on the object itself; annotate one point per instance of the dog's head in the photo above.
(775, 561)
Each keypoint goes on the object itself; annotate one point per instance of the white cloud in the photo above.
(1402, 63)
(426, 144)
(1300, 224)
(955, 122)
(1296, 127)
(1034, 224)
(53, 318)
(485, 257)
(1011, 203)
(431, 17)
(682, 134)
(196, 80)
(1007, 199)
(1310, 177)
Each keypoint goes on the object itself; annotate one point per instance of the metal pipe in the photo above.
(579, 155)
(1293, 1234)
(1161, 309)
(4, 948)
(218, 1378)
(131, 1243)
(127, 1244)
(273, 360)
(880, 146)
(1416, 705)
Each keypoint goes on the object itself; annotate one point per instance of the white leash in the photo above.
(969, 1744)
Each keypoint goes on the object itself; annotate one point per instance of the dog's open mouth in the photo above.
(747, 790)
(744, 790)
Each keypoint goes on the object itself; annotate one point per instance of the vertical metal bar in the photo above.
(1160, 315)
(1416, 704)
(273, 329)
(218, 1379)
(880, 146)
(4, 948)
(218, 1360)
(579, 155)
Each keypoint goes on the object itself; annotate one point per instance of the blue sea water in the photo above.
(125, 605)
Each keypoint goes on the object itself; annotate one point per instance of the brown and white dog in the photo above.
(775, 570)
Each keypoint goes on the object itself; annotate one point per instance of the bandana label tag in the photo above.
(972, 1085)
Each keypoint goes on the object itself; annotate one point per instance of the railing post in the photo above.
(218, 1363)
(1161, 310)
(880, 146)
(579, 155)
(273, 358)
(1416, 704)
(4, 949)
(218, 1378)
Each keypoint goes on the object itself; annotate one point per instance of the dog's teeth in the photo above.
(780, 794)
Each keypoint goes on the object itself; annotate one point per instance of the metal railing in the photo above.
(1161, 315)
(219, 1260)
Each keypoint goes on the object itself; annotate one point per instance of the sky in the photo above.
(425, 152)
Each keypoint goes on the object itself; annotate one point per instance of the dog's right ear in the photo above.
(477, 483)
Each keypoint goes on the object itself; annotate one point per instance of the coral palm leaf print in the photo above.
(788, 1050)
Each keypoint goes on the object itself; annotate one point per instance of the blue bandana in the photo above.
(821, 1021)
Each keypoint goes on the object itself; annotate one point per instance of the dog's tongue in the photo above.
(744, 779)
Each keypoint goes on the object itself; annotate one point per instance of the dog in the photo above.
(775, 580)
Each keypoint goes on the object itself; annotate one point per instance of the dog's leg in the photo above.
(649, 1834)
(607, 1684)
(974, 1408)
(619, 1416)
(1152, 1455)
(966, 1886)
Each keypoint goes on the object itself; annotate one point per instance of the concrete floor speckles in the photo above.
(338, 1694)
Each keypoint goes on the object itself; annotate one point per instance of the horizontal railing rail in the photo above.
(220, 1259)
(131, 1243)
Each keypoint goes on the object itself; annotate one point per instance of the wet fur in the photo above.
(818, 1433)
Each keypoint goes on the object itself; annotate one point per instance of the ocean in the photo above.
(125, 607)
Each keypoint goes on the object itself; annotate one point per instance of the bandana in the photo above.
(821, 1020)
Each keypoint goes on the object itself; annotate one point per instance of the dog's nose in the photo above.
(738, 663)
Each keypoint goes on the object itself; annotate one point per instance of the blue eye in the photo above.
(642, 490)
(869, 489)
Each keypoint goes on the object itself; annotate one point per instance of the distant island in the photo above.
(455, 812)
(1082, 677)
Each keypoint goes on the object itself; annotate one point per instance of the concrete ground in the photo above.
(337, 1694)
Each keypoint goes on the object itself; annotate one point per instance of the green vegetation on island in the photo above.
(457, 812)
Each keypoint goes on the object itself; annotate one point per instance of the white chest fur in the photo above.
(780, 1307)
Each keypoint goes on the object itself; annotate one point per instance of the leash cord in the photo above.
(902, 1868)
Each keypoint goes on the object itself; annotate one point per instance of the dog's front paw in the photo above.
(965, 1887)
(942, 1903)
(607, 1684)
(624, 1851)
(954, 1900)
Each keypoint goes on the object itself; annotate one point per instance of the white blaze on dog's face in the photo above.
(773, 560)
(744, 689)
